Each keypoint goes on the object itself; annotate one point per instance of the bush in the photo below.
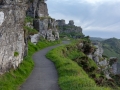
(16, 54)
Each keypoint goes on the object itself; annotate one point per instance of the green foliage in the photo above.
(71, 75)
(112, 48)
(28, 19)
(30, 31)
(14, 78)
(16, 54)
(48, 17)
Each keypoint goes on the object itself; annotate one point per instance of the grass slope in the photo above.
(71, 75)
(14, 78)
(112, 47)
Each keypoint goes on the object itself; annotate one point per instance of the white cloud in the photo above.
(91, 15)
(100, 1)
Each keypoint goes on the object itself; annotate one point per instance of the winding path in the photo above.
(44, 75)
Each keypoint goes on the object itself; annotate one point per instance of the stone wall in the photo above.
(12, 14)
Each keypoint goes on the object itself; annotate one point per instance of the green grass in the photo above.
(111, 48)
(30, 31)
(28, 19)
(14, 78)
(16, 54)
(71, 75)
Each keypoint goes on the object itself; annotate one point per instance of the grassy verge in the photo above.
(71, 75)
(14, 78)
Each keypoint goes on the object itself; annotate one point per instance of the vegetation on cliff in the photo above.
(76, 71)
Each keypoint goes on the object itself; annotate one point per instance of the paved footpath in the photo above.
(44, 75)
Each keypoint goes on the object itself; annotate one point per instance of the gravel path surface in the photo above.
(44, 75)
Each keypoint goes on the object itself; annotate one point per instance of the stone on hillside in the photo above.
(47, 28)
(1, 18)
(60, 22)
(35, 38)
(71, 22)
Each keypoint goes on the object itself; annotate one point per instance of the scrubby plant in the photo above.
(16, 54)
(28, 19)
(29, 31)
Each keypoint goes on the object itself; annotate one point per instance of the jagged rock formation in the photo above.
(70, 28)
(47, 28)
(37, 8)
(12, 44)
(13, 38)
(113, 64)
(42, 22)
(108, 66)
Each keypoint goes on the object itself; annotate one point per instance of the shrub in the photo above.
(16, 54)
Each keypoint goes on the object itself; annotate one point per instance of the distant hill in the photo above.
(97, 39)
(111, 47)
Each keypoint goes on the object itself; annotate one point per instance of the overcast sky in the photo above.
(98, 18)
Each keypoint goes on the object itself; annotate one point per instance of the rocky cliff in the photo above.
(42, 21)
(13, 37)
(12, 44)
(37, 8)
(107, 65)
(69, 29)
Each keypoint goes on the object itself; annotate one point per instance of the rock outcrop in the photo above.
(47, 28)
(37, 8)
(108, 66)
(70, 28)
(13, 38)
(12, 44)
(42, 21)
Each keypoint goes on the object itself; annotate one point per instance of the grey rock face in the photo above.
(47, 28)
(60, 22)
(11, 34)
(102, 62)
(37, 9)
(71, 22)
(35, 38)
(114, 68)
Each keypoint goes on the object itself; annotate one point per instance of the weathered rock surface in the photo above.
(42, 22)
(12, 14)
(37, 8)
(47, 28)
(35, 38)
(108, 66)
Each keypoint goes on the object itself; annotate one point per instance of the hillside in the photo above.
(111, 47)
(97, 39)
(77, 71)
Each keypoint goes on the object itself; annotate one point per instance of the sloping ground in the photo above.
(71, 75)
(112, 47)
